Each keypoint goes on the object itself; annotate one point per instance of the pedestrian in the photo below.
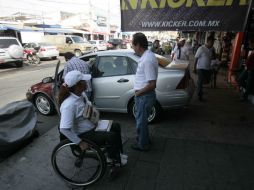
(144, 86)
(180, 51)
(156, 48)
(75, 126)
(74, 63)
(202, 65)
(246, 78)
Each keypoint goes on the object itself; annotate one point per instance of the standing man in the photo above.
(156, 47)
(180, 51)
(144, 86)
(74, 63)
(246, 78)
(202, 64)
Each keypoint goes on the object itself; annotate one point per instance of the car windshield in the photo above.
(77, 39)
(5, 43)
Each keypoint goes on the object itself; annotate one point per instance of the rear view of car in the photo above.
(99, 45)
(47, 51)
(11, 51)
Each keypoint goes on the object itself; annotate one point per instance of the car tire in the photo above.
(95, 50)
(156, 110)
(44, 105)
(54, 58)
(19, 64)
(77, 53)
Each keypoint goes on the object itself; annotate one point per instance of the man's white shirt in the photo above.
(147, 70)
(184, 53)
(204, 56)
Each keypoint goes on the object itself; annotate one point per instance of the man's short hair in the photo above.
(210, 39)
(140, 38)
(68, 55)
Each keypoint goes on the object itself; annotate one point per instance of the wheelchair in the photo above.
(81, 168)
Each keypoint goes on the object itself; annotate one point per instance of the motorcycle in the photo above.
(31, 56)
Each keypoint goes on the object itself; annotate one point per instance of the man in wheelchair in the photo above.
(74, 126)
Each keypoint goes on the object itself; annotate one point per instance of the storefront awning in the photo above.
(19, 28)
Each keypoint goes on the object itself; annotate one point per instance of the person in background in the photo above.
(180, 52)
(156, 48)
(202, 65)
(74, 126)
(144, 86)
(247, 76)
(74, 63)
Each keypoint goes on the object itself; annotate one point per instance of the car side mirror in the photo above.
(47, 80)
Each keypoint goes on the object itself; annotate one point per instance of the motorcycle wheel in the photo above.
(30, 59)
(36, 59)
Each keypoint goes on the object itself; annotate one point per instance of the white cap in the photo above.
(73, 77)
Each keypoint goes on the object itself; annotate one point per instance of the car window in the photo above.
(133, 65)
(92, 64)
(5, 43)
(114, 66)
(78, 39)
(106, 66)
(68, 39)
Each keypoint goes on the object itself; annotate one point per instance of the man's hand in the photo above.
(83, 145)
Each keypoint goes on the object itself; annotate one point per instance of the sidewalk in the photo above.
(208, 146)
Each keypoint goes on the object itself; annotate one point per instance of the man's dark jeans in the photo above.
(203, 77)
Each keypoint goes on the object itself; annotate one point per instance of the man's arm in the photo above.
(195, 65)
(149, 87)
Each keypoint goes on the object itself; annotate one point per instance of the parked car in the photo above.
(68, 43)
(44, 50)
(109, 46)
(11, 51)
(99, 45)
(118, 44)
(113, 74)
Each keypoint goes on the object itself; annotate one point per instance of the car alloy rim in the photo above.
(151, 115)
(43, 105)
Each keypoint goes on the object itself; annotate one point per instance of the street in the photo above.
(212, 152)
(14, 82)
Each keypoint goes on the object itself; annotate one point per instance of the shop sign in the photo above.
(184, 15)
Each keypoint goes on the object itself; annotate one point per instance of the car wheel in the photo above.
(95, 50)
(154, 114)
(19, 64)
(54, 58)
(77, 53)
(44, 105)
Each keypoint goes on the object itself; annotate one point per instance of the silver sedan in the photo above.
(113, 74)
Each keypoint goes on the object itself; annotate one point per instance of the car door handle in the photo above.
(123, 80)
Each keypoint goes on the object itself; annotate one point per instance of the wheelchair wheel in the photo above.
(76, 167)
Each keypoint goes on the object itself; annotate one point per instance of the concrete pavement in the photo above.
(208, 146)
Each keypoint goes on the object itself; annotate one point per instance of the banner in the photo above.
(184, 15)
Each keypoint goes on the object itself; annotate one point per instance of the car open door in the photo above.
(56, 85)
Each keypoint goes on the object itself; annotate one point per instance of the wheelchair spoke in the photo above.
(78, 169)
